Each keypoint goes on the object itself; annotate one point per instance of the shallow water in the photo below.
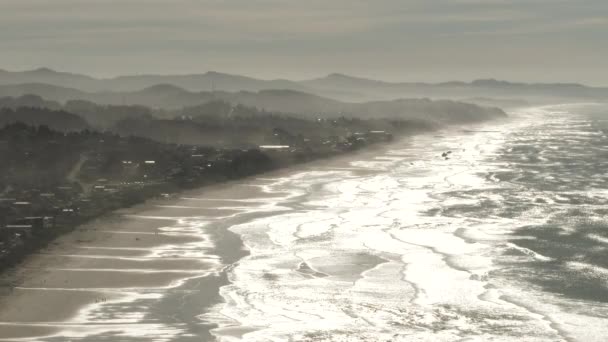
(505, 239)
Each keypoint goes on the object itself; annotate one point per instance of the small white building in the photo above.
(274, 147)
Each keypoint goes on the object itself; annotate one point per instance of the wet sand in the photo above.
(104, 272)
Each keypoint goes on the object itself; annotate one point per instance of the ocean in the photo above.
(497, 232)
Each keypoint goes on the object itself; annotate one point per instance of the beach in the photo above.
(98, 281)
(101, 276)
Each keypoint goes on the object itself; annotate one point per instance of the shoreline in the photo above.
(102, 266)
(154, 192)
(107, 268)
(162, 283)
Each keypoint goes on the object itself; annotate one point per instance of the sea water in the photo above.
(498, 232)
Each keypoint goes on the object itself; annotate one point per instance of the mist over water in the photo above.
(497, 232)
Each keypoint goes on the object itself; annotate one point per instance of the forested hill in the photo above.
(171, 98)
(56, 119)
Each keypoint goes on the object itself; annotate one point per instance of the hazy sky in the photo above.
(434, 40)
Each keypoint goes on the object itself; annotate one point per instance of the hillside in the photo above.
(29, 100)
(209, 81)
(48, 76)
(171, 98)
(219, 123)
(55, 119)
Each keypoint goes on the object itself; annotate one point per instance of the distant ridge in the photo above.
(335, 85)
(488, 88)
(170, 98)
(208, 81)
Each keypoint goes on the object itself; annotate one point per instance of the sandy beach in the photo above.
(157, 266)
(99, 274)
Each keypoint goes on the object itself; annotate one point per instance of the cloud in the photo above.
(273, 19)
(298, 36)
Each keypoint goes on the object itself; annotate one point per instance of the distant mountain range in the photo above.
(171, 98)
(209, 81)
(486, 89)
(337, 86)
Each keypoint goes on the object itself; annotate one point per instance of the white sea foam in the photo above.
(375, 256)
